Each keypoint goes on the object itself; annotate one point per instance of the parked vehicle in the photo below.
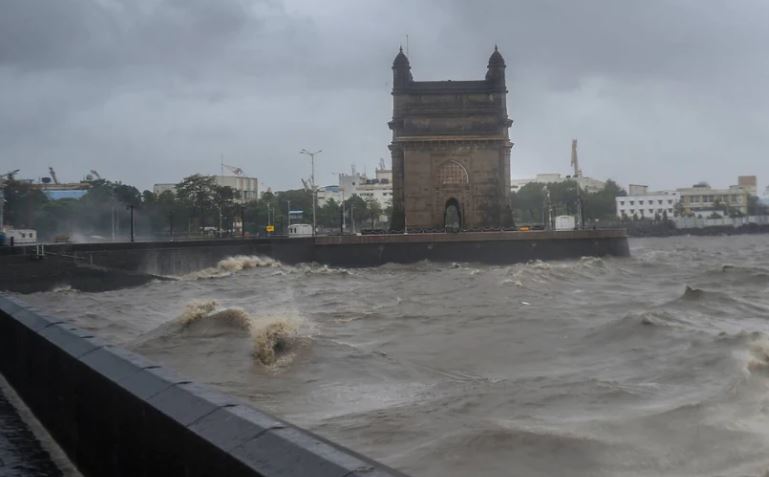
(299, 230)
(565, 222)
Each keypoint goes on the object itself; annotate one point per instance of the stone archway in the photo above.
(452, 216)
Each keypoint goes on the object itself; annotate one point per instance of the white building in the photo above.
(379, 188)
(647, 205)
(587, 184)
(247, 188)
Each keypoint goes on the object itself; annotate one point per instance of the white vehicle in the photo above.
(565, 222)
(20, 236)
(299, 230)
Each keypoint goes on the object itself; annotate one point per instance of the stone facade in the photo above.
(450, 148)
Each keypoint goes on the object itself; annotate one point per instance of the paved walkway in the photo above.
(21, 454)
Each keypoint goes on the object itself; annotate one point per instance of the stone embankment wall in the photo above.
(115, 413)
(105, 266)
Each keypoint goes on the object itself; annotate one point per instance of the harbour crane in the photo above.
(53, 175)
(235, 170)
(9, 175)
(96, 174)
(574, 159)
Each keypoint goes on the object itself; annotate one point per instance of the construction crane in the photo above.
(235, 170)
(96, 174)
(9, 175)
(53, 175)
(574, 159)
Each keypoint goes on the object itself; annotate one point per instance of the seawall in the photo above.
(103, 266)
(115, 413)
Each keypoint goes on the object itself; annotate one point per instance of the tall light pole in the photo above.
(312, 184)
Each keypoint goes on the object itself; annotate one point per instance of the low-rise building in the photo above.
(647, 205)
(703, 201)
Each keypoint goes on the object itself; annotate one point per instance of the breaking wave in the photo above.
(273, 339)
(230, 265)
(758, 356)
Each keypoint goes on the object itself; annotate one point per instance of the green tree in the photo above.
(197, 191)
(329, 216)
(374, 210)
(356, 212)
(602, 205)
(755, 207)
(528, 203)
(22, 201)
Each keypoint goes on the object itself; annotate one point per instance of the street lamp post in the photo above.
(131, 207)
(312, 184)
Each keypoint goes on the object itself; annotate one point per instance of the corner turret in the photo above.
(496, 71)
(401, 71)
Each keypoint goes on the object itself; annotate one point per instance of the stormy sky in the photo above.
(665, 93)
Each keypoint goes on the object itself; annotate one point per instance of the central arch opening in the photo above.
(452, 216)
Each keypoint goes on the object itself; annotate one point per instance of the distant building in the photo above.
(379, 188)
(72, 190)
(642, 204)
(247, 188)
(587, 184)
(703, 201)
(748, 183)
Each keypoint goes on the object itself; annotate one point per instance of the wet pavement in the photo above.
(21, 454)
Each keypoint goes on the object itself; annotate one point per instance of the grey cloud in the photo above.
(661, 91)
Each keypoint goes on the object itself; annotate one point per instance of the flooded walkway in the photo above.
(21, 454)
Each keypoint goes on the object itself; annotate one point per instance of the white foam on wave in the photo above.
(274, 338)
(758, 356)
(226, 267)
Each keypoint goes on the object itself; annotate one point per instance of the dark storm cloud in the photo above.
(660, 92)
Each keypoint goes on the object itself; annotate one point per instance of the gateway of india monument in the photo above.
(450, 150)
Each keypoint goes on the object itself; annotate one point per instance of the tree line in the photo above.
(198, 206)
(530, 202)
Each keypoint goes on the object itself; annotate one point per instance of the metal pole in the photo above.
(131, 208)
(242, 222)
(312, 184)
(314, 193)
(2, 205)
(288, 223)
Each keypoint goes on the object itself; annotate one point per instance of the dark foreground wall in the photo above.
(117, 414)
